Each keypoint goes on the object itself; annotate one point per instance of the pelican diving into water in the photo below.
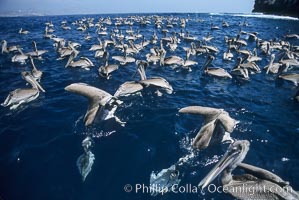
(257, 184)
(86, 160)
(99, 100)
(213, 120)
(23, 95)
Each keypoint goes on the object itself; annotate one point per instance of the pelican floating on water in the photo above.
(20, 58)
(124, 59)
(24, 32)
(257, 184)
(215, 71)
(5, 49)
(36, 52)
(23, 95)
(83, 62)
(213, 118)
(272, 67)
(37, 74)
(106, 69)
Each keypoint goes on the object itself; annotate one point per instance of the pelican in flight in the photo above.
(215, 71)
(258, 183)
(99, 101)
(23, 95)
(214, 119)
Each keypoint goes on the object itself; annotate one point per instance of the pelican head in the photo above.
(208, 62)
(27, 76)
(234, 155)
(141, 68)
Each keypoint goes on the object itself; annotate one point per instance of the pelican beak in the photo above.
(71, 58)
(228, 159)
(39, 86)
(29, 78)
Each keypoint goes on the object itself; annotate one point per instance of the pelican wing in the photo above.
(97, 98)
(158, 82)
(203, 137)
(262, 174)
(128, 88)
(227, 122)
(209, 114)
(291, 77)
(219, 72)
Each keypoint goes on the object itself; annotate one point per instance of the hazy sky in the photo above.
(125, 6)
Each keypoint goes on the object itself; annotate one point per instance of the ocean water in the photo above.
(41, 141)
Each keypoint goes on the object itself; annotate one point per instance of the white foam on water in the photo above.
(258, 15)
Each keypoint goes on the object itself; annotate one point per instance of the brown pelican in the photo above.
(272, 67)
(157, 82)
(23, 95)
(83, 62)
(293, 77)
(188, 63)
(21, 57)
(254, 57)
(251, 66)
(99, 100)
(21, 31)
(213, 117)
(291, 62)
(292, 36)
(97, 46)
(225, 24)
(128, 88)
(6, 49)
(258, 183)
(240, 72)
(106, 69)
(154, 56)
(37, 74)
(36, 52)
(228, 55)
(215, 71)
(172, 60)
(124, 59)
(86, 160)
(214, 27)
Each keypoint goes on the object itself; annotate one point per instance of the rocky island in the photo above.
(277, 7)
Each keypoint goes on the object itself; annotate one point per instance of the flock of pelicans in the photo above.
(118, 34)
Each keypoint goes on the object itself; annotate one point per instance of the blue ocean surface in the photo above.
(41, 141)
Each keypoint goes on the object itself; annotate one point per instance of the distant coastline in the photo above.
(277, 7)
